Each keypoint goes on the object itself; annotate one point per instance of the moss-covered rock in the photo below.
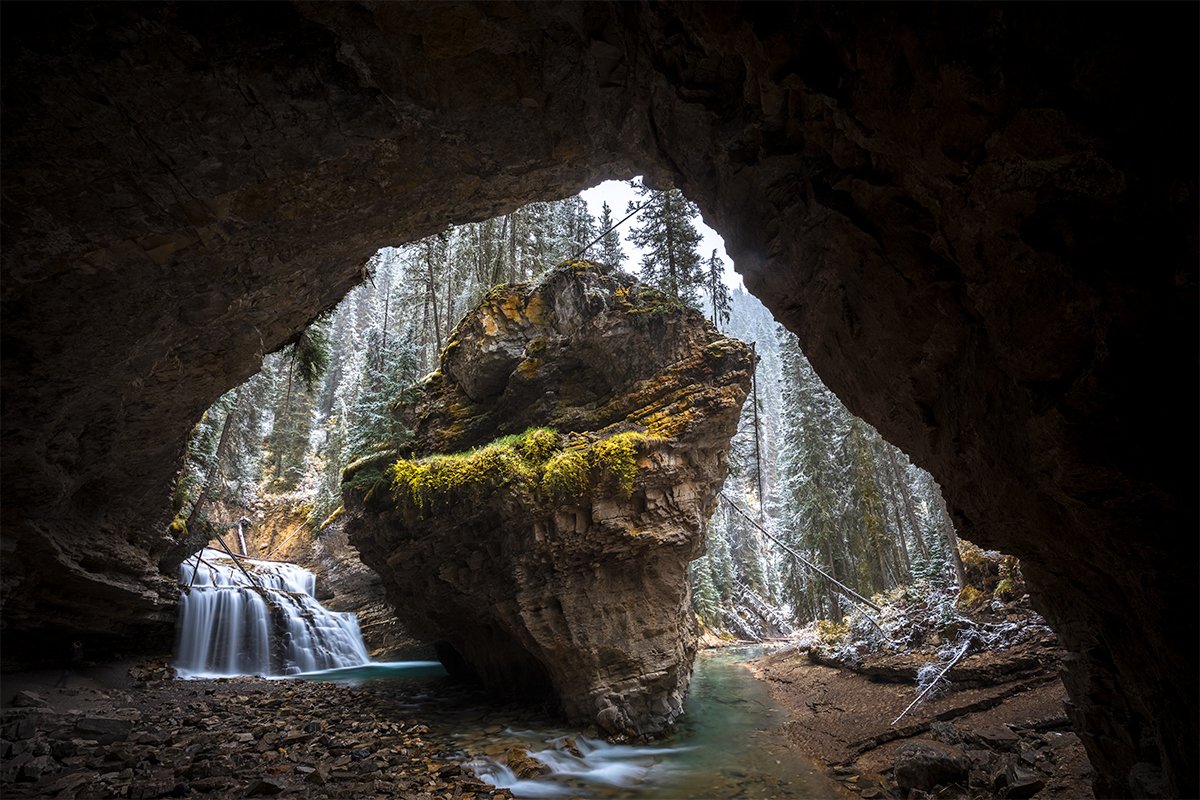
(531, 465)
(541, 521)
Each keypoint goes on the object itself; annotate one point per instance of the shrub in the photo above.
(831, 633)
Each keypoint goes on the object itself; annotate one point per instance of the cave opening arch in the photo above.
(983, 257)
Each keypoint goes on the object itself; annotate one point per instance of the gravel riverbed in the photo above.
(146, 735)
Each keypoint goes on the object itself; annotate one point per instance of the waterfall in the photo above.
(273, 625)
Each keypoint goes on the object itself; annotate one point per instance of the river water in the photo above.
(727, 744)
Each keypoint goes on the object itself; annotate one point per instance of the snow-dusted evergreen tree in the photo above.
(608, 251)
(575, 228)
(811, 486)
(304, 363)
(744, 564)
(665, 231)
(868, 541)
(705, 599)
(717, 291)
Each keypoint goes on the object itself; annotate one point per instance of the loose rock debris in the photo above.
(241, 737)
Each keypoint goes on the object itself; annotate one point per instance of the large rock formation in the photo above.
(980, 219)
(556, 559)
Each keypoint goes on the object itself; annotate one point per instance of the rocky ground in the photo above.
(142, 735)
(996, 729)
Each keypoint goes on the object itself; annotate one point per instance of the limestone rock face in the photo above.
(980, 219)
(582, 592)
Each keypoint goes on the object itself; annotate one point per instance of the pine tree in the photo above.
(866, 524)
(310, 353)
(705, 599)
(287, 443)
(671, 262)
(811, 484)
(718, 292)
(385, 381)
(576, 228)
(610, 252)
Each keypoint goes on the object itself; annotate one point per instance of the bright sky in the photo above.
(619, 195)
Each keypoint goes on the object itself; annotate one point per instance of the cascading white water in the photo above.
(226, 622)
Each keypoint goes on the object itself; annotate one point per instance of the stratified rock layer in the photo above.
(980, 219)
(584, 595)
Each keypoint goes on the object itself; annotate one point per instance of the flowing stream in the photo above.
(263, 621)
(727, 744)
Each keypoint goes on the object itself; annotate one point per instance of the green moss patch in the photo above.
(538, 464)
(616, 458)
(566, 477)
(639, 299)
(367, 474)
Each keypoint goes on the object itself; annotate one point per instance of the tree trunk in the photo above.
(908, 506)
(672, 275)
(901, 540)
(498, 261)
(762, 501)
(425, 359)
(431, 290)
(951, 538)
(383, 337)
(835, 608)
(448, 317)
(512, 248)
(277, 466)
(215, 470)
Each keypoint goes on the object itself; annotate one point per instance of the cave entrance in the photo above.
(272, 450)
(834, 492)
(982, 255)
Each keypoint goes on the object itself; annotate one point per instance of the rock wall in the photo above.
(980, 219)
(555, 561)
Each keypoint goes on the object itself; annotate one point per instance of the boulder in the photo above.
(924, 764)
(1023, 782)
(998, 737)
(565, 459)
(523, 765)
(104, 729)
